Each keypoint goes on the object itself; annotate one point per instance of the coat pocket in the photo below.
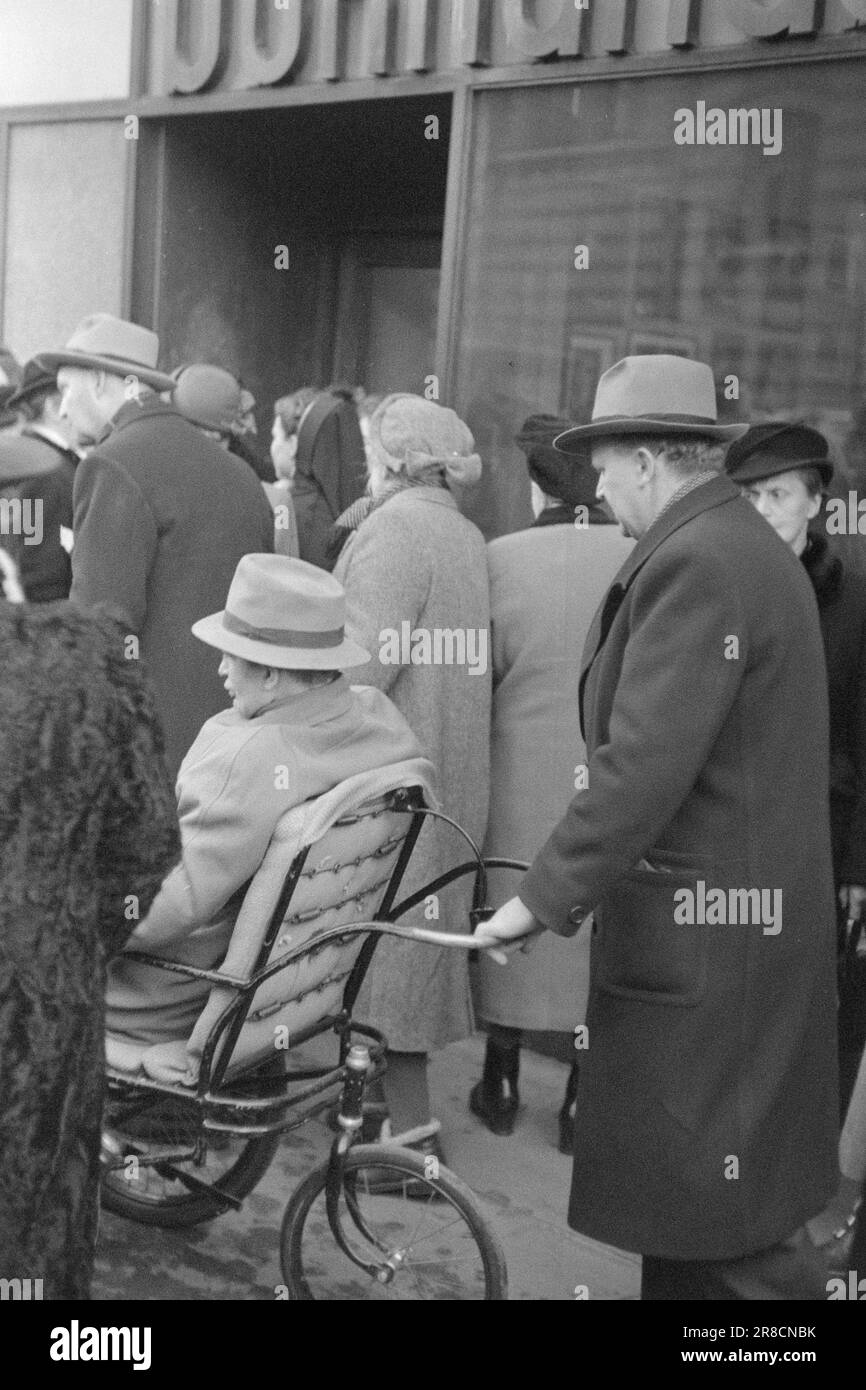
(640, 952)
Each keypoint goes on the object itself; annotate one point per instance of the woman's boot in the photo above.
(566, 1114)
(495, 1099)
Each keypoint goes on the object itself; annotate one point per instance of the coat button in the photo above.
(577, 914)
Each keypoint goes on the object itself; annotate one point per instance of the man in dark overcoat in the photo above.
(162, 514)
(46, 568)
(706, 1122)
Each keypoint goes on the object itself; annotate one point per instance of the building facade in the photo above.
(485, 200)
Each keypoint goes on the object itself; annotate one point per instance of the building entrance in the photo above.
(296, 246)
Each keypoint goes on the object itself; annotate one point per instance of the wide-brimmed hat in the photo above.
(104, 343)
(656, 394)
(21, 458)
(209, 396)
(778, 446)
(37, 376)
(283, 612)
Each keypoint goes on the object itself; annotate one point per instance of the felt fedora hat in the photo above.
(22, 458)
(104, 343)
(778, 446)
(283, 612)
(208, 396)
(37, 376)
(654, 394)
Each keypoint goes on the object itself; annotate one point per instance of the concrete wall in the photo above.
(64, 50)
(64, 234)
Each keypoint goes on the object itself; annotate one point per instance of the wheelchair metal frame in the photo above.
(251, 1106)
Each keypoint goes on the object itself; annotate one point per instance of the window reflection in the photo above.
(755, 263)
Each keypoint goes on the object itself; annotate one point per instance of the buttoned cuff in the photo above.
(545, 900)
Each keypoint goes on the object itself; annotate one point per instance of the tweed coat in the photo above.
(237, 781)
(545, 585)
(87, 827)
(416, 560)
(707, 1119)
(162, 516)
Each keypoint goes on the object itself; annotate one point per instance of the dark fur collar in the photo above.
(823, 568)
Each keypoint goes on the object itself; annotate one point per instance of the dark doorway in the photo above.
(386, 310)
(354, 192)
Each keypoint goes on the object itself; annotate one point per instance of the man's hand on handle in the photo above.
(512, 928)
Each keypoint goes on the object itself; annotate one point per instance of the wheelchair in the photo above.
(188, 1136)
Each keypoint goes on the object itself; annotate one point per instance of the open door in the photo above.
(386, 311)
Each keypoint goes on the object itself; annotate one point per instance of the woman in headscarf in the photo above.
(326, 462)
(416, 569)
(88, 830)
(545, 585)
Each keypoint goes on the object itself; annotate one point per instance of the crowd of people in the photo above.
(675, 697)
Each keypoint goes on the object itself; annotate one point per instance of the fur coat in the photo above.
(88, 830)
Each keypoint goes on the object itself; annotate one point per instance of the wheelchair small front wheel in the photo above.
(419, 1226)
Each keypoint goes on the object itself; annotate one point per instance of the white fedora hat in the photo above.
(654, 394)
(104, 343)
(283, 612)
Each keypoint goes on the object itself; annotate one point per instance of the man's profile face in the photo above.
(619, 484)
(80, 405)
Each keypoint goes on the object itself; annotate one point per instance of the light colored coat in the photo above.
(237, 781)
(417, 560)
(545, 585)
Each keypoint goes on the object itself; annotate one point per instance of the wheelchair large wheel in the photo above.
(154, 1194)
(428, 1237)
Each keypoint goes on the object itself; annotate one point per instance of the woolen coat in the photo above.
(415, 559)
(545, 585)
(87, 833)
(237, 781)
(162, 516)
(706, 1121)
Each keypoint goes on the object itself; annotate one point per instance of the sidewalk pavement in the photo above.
(522, 1181)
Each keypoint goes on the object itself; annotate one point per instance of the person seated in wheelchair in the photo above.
(296, 729)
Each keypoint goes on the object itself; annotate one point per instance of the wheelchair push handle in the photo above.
(460, 939)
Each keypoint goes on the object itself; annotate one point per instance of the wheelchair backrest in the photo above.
(339, 880)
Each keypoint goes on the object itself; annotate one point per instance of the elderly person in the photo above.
(545, 585)
(783, 469)
(415, 572)
(295, 730)
(161, 513)
(707, 1114)
(88, 830)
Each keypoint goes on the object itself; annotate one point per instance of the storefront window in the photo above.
(752, 261)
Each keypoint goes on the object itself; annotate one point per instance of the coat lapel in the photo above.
(701, 499)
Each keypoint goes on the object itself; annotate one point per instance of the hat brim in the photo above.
(45, 383)
(754, 469)
(160, 381)
(624, 426)
(212, 631)
(22, 458)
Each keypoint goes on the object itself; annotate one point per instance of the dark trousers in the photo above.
(793, 1269)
